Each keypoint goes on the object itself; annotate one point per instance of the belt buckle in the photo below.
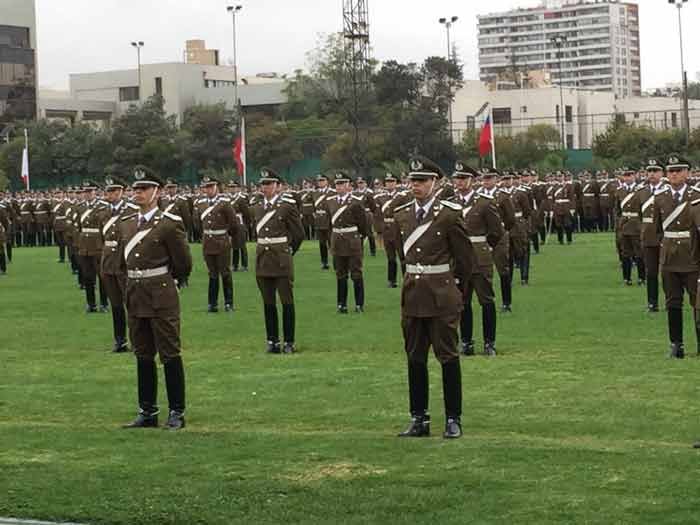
(420, 268)
(139, 274)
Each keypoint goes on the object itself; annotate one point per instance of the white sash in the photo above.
(134, 241)
(386, 204)
(56, 207)
(674, 214)
(556, 193)
(86, 215)
(626, 200)
(265, 219)
(465, 211)
(413, 238)
(585, 188)
(209, 210)
(109, 224)
(647, 203)
(318, 201)
(604, 187)
(338, 214)
(170, 207)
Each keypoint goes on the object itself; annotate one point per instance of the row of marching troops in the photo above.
(657, 225)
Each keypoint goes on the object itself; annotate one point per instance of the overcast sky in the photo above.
(77, 36)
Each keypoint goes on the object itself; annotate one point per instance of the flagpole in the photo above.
(243, 152)
(493, 139)
(25, 160)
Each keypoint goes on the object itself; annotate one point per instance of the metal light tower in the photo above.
(559, 42)
(684, 78)
(138, 45)
(448, 25)
(357, 66)
(233, 9)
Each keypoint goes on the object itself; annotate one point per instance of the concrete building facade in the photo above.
(601, 51)
(586, 113)
(18, 60)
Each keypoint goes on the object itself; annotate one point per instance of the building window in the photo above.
(502, 116)
(569, 113)
(128, 94)
(471, 123)
(523, 109)
(569, 142)
(674, 120)
(558, 116)
(159, 86)
(636, 115)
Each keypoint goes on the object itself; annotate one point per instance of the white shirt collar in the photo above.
(342, 199)
(271, 202)
(148, 216)
(466, 197)
(680, 192)
(426, 207)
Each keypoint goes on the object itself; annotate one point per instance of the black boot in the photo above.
(418, 400)
(235, 256)
(627, 270)
(3, 263)
(90, 297)
(506, 292)
(8, 249)
(536, 242)
(119, 327)
(452, 394)
(62, 253)
(488, 319)
(467, 329)
(104, 301)
(272, 329)
(641, 270)
(323, 247)
(147, 379)
(228, 292)
(392, 271)
(372, 246)
(653, 293)
(359, 289)
(288, 327)
(213, 294)
(175, 385)
(675, 332)
(244, 258)
(342, 293)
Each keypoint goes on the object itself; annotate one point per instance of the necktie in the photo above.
(420, 214)
(142, 221)
(267, 205)
(676, 197)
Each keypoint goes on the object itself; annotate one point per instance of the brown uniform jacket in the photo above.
(321, 219)
(159, 243)
(679, 247)
(178, 205)
(645, 197)
(219, 224)
(59, 214)
(280, 234)
(111, 263)
(386, 204)
(628, 207)
(4, 225)
(26, 211)
(348, 225)
(440, 239)
(482, 223)
(90, 227)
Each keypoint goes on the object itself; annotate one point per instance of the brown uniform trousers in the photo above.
(680, 254)
(438, 254)
(629, 231)
(112, 272)
(59, 215)
(386, 203)
(90, 223)
(349, 225)
(27, 223)
(280, 233)
(239, 254)
(42, 215)
(160, 247)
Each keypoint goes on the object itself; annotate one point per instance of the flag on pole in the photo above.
(486, 137)
(25, 161)
(239, 153)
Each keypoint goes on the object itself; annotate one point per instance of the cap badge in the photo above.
(139, 174)
(416, 165)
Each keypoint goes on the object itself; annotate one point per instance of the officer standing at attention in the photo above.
(651, 240)
(630, 228)
(219, 226)
(156, 257)
(90, 246)
(438, 254)
(679, 261)
(321, 219)
(239, 201)
(111, 270)
(386, 202)
(280, 233)
(348, 227)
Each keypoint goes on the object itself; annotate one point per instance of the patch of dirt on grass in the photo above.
(341, 471)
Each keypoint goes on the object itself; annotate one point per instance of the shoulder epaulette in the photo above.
(127, 217)
(224, 199)
(451, 205)
(403, 206)
(696, 201)
(132, 206)
(172, 216)
(288, 200)
(485, 196)
(356, 198)
(181, 197)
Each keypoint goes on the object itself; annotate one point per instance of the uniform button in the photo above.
(418, 250)
(267, 248)
(417, 277)
(137, 255)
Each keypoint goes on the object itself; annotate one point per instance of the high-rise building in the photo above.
(599, 43)
(18, 67)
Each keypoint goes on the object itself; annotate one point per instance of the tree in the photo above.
(271, 144)
(207, 136)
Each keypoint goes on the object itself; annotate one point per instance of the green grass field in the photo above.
(581, 419)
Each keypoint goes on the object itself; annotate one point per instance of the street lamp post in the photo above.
(138, 45)
(559, 42)
(684, 78)
(448, 22)
(233, 9)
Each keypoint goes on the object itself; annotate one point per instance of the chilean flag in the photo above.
(25, 161)
(239, 152)
(486, 138)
